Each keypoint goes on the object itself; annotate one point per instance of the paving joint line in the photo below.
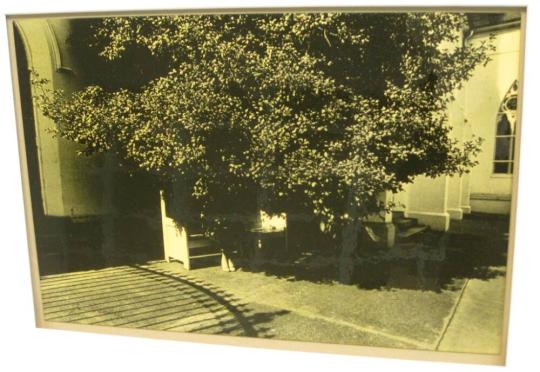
(452, 315)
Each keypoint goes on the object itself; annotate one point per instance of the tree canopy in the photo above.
(318, 111)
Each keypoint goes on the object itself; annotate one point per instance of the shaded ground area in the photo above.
(143, 297)
(402, 317)
(475, 247)
(450, 299)
(163, 296)
(154, 297)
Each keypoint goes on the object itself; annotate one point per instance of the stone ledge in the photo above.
(494, 197)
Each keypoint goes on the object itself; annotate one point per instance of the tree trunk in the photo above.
(346, 257)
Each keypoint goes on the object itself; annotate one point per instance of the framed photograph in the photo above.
(337, 180)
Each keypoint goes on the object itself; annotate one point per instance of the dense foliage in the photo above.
(317, 112)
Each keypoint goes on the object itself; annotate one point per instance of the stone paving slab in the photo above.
(477, 324)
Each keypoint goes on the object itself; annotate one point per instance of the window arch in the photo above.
(503, 162)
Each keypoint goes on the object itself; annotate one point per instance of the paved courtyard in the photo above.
(463, 315)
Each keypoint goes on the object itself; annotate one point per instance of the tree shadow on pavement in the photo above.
(475, 248)
(146, 297)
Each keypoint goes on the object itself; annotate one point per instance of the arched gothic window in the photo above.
(506, 132)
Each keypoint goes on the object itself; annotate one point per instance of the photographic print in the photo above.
(341, 178)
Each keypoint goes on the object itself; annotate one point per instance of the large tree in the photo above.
(318, 112)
